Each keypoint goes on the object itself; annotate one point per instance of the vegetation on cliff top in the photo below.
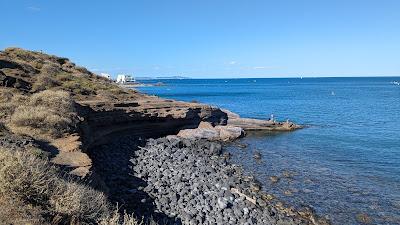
(38, 95)
(38, 91)
(33, 72)
(45, 115)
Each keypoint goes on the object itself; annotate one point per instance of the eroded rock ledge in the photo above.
(147, 116)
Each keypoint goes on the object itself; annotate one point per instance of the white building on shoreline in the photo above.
(124, 78)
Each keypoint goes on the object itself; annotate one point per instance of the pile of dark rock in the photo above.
(191, 180)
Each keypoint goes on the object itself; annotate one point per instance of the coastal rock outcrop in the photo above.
(146, 117)
(207, 131)
(259, 125)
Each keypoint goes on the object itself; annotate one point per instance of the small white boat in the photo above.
(395, 83)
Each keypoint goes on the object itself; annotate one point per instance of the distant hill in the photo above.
(162, 78)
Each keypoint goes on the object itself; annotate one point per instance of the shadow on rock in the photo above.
(113, 175)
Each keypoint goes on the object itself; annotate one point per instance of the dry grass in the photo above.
(87, 85)
(17, 213)
(46, 115)
(25, 178)
(32, 192)
(54, 100)
(25, 183)
(9, 101)
(117, 219)
(44, 82)
(49, 72)
(80, 202)
(39, 122)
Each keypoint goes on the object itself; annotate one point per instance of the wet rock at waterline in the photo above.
(257, 155)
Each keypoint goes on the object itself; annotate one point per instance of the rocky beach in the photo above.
(188, 181)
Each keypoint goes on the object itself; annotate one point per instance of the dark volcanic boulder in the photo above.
(9, 64)
(8, 81)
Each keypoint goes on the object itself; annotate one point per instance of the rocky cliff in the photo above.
(104, 109)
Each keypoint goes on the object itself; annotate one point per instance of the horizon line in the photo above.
(299, 77)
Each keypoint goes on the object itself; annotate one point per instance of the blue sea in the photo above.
(345, 164)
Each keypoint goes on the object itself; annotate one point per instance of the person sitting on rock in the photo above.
(272, 118)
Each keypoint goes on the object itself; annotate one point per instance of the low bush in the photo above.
(33, 192)
(39, 122)
(45, 115)
(78, 88)
(117, 219)
(6, 95)
(76, 201)
(9, 101)
(21, 54)
(44, 82)
(25, 178)
(17, 213)
(51, 69)
(63, 76)
(60, 101)
(38, 64)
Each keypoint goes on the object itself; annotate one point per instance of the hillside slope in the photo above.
(54, 111)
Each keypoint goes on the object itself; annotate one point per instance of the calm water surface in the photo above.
(346, 163)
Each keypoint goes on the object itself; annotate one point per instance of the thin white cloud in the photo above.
(33, 8)
(263, 67)
(259, 67)
(232, 62)
(112, 69)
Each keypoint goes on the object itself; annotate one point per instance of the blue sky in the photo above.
(212, 38)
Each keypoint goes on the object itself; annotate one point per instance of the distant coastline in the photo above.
(163, 78)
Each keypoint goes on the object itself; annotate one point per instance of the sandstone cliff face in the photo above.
(146, 117)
